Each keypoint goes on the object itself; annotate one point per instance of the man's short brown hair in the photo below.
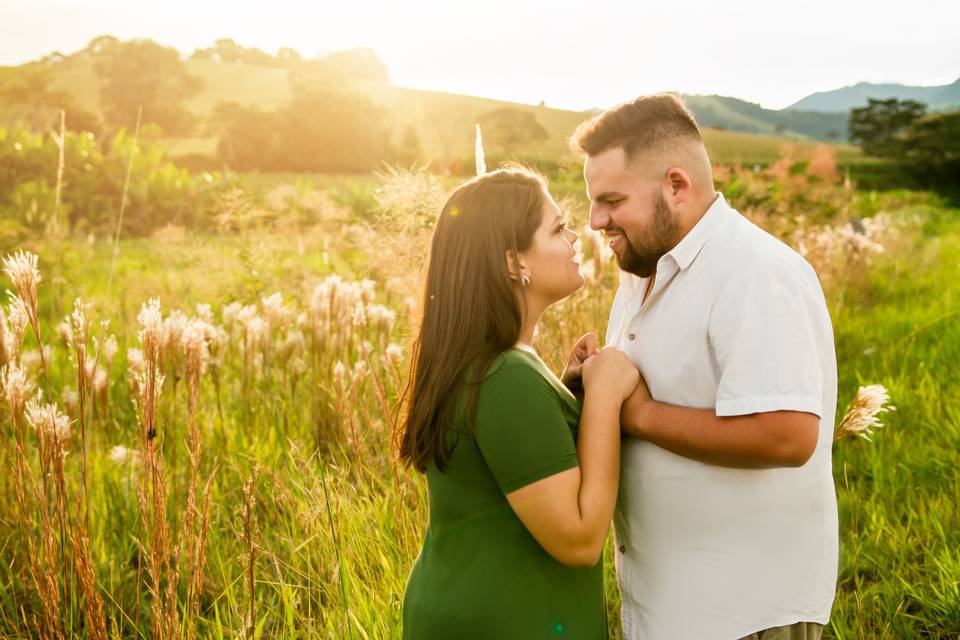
(644, 124)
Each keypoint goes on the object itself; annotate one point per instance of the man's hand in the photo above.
(585, 347)
(634, 409)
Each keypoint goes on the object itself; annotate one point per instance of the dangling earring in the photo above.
(524, 279)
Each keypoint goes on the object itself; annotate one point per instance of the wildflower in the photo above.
(193, 341)
(100, 382)
(135, 360)
(297, 366)
(16, 387)
(339, 371)
(80, 323)
(21, 268)
(151, 332)
(275, 313)
(294, 342)
(229, 314)
(17, 318)
(861, 418)
(109, 350)
(204, 312)
(124, 455)
(394, 353)
(173, 327)
(70, 399)
(380, 316)
(65, 332)
(46, 418)
(32, 359)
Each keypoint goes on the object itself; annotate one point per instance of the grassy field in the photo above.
(311, 528)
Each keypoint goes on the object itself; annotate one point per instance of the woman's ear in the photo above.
(515, 265)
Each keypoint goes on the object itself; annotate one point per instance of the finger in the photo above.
(591, 342)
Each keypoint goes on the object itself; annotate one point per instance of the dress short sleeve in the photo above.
(520, 426)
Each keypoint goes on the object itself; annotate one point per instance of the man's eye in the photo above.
(614, 203)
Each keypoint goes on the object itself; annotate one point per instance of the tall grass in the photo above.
(233, 473)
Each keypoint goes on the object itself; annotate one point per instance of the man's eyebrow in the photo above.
(609, 195)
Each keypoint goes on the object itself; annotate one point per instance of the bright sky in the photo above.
(571, 54)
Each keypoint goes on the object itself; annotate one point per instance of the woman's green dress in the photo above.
(480, 573)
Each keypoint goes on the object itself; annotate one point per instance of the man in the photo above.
(726, 522)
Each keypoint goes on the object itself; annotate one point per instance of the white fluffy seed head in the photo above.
(151, 332)
(16, 387)
(47, 418)
(862, 417)
(109, 349)
(21, 268)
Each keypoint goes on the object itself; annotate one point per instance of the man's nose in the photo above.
(598, 217)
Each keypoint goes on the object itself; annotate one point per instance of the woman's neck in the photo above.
(528, 325)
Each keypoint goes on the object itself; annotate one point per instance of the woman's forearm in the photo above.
(598, 448)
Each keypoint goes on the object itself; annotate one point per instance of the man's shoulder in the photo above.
(742, 247)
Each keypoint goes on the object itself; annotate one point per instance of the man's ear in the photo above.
(515, 265)
(678, 184)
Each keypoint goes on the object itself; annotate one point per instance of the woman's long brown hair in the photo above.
(470, 310)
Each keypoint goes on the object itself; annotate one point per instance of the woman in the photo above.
(522, 477)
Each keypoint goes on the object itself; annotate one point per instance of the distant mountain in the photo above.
(939, 98)
(738, 115)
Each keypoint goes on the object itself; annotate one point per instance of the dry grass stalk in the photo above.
(52, 430)
(83, 566)
(249, 519)
(861, 418)
(152, 491)
(195, 357)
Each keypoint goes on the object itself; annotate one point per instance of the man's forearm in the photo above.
(761, 440)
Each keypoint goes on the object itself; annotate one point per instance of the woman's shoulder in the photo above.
(517, 372)
(514, 363)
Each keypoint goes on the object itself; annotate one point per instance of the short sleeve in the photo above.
(520, 427)
(764, 334)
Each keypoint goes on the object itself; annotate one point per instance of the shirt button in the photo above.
(623, 549)
(631, 336)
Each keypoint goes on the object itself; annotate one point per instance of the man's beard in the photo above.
(658, 238)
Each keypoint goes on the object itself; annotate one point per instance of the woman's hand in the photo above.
(611, 370)
(572, 376)
(585, 347)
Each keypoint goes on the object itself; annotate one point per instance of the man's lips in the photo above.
(616, 240)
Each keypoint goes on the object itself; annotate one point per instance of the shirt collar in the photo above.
(690, 245)
(683, 254)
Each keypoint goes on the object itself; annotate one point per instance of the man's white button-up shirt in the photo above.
(736, 322)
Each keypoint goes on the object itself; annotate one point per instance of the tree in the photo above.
(332, 132)
(876, 126)
(144, 73)
(929, 149)
(42, 104)
(507, 128)
(322, 131)
(32, 91)
(226, 50)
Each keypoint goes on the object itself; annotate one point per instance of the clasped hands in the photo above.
(633, 408)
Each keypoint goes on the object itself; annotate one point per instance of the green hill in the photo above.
(734, 130)
(938, 98)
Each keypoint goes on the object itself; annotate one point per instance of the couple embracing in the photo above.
(702, 429)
